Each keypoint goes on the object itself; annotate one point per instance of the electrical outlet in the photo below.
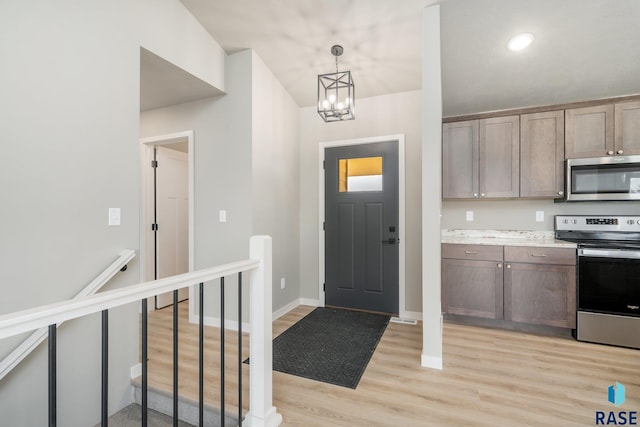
(222, 216)
(469, 215)
(539, 216)
(282, 283)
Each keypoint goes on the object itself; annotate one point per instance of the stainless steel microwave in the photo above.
(603, 178)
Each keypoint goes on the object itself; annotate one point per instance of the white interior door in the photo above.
(172, 208)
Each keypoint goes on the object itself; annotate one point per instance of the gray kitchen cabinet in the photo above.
(499, 157)
(472, 280)
(627, 128)
(540, 286)
(460, 160)
(480, 158)
(542, 154)
(523, 284)
(589, 131)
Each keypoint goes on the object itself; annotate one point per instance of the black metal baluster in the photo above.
(240, 348)
(175, 358)
(52, 376)
(105, 369)
(201, 355)
(222, 410)
(144, 362)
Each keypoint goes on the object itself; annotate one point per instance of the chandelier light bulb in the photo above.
(340, 106)
(332, 99)
(347, 101)
(326, 104)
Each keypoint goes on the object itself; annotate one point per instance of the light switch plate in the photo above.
(539, 216)
(114, 216)
(282, 283)
(469, 215)
(222, 216)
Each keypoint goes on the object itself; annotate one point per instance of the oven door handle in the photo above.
(609, 253)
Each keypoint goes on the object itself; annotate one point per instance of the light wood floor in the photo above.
(490, 378)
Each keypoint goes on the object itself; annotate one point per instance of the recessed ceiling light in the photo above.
(519, 41)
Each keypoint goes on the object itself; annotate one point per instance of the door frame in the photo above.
(146, 235)
(399, 138)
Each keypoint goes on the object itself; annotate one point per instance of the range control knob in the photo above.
(574, 221)
(630, 222)
(639, 222)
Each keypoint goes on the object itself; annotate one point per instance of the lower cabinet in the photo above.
(472, 288)
(540, 286)
(532, 285)
(472, 280)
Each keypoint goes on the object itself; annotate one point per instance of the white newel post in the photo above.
(262, 413)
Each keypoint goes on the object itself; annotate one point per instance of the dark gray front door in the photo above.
(361, 227)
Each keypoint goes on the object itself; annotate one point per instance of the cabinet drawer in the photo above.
(540, 255)
(475, 252)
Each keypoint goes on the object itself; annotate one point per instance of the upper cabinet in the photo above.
(603, 130)
(589, 132)
(627, 128)
(460, 160)
(542, 154)
(481, 158)
(499, 157)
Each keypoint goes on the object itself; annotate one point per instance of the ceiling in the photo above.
(584, 49)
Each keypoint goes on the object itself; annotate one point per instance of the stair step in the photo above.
(131, 416)
(188, 409)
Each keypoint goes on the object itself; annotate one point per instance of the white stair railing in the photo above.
(14, 358)
(262, 413)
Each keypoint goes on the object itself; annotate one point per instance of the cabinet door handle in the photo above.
(560, 193)
(508, 265)
(499, 265)
(620, 152)
(475, 194)
(610, 153)
(481, 194)
(471, 253)
(538, 255)
(633, 307)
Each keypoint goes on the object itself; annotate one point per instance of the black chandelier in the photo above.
(336, 93)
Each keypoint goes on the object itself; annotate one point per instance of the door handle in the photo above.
(389, 241)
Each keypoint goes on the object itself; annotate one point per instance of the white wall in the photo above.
(222, 148)
(69, 81)
(246, 162)
(223, 172)
(377, 116)
(276, 178)
(169, 30)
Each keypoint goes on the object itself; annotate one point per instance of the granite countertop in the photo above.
(504, 238)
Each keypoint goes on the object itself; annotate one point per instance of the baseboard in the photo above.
(233, 324)
(284, 310)
(136, 370)
(431, 362)
(413, 315)
(228, 324)
(310, 302)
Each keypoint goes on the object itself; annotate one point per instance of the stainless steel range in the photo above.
(608, 276)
